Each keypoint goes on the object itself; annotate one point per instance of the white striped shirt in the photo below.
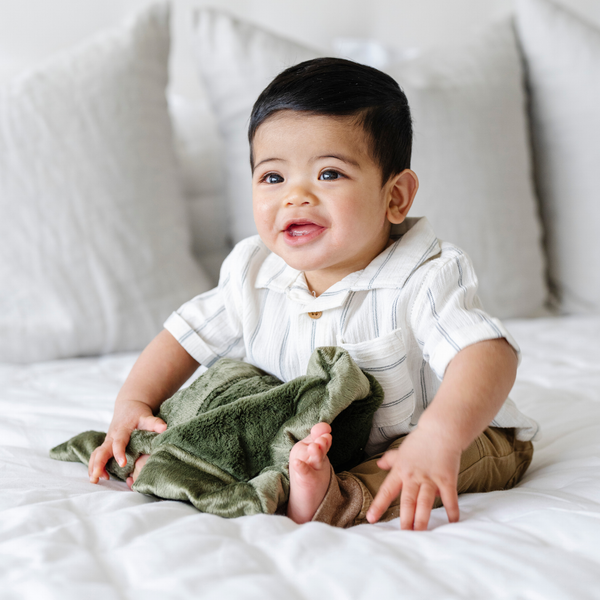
(402, 318)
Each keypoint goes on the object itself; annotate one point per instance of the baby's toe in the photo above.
(320, 429)
(300, 451)
(317, 451)
(301, 467)
(324, 442)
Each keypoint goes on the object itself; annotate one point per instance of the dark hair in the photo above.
(339, 87)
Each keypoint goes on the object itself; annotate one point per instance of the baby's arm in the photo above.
(161, 369)
(476, 384)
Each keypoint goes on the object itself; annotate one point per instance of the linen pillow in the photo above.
(471, 154)
(199, 151)
(94, 246)
(562, 56)
(236, 61)
(471, 149)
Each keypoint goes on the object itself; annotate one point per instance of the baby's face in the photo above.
(317, 195)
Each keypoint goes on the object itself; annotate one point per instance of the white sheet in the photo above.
(62, 537)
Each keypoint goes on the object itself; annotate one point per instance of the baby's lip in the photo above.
(299, 232)
(291, 222)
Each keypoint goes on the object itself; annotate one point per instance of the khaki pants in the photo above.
(496, 460)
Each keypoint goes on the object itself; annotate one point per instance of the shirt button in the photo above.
(315, 315)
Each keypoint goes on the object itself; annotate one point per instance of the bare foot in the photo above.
(310, 472)
(139, 463)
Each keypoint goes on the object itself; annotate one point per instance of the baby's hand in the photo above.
(424, 466)
(129, 415)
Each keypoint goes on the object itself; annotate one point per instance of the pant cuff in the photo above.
(346, 501)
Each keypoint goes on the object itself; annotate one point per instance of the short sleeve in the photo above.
(447, 315)
(209, 326)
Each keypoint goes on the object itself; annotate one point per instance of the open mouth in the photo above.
(302, 230)
(297, 229)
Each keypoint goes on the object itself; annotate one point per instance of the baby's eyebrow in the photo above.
(341, 157)
(266, 160)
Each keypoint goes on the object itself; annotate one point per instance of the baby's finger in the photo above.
(408, 503)
(118, 448)
(387, 461)
(93, 459)
(155, 424)
(91, 463)
(159, 425)
(449, 496)
(388, 492)
(100, 457)
(424, 505)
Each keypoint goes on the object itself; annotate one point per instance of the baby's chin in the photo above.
(300, 263)
(318, 255)
(297, 258)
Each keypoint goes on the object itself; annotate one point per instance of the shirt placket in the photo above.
(307, 329)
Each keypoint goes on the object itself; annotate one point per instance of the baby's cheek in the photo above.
(263, 227)
(266, 231)
(260, 216)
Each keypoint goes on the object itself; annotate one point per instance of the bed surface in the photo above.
(62, 537)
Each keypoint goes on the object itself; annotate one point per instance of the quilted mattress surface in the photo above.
(62, 537)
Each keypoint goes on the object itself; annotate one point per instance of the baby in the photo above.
(337, 262)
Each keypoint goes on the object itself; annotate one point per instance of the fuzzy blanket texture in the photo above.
(229, 434)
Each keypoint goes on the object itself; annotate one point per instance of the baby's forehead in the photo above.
(334, 130)
(305, 116)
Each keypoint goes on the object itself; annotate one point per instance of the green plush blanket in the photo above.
(229, 435)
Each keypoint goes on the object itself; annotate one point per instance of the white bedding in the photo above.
(62, 537)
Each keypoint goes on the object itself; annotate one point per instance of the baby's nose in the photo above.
(299, 196)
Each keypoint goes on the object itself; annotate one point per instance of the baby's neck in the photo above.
(321, 280)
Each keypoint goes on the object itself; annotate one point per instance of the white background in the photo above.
(33, 29)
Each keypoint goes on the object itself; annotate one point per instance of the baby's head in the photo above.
(330, 145)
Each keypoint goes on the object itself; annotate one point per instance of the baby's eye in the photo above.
(330, 175)
(272, 178)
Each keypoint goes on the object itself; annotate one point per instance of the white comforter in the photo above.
(62, 537)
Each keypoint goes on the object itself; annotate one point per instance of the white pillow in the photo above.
(236, 61)
(562, 56)
(472, 157)
(471, 148)
(94, 246)
(199, 150)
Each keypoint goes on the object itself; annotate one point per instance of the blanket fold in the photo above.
(229, 434)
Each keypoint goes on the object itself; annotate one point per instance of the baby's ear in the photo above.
(401, 190)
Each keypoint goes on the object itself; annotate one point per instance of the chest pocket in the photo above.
(385, 358)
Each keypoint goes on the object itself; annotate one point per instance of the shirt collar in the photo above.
(415, 243)
(277, 275)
